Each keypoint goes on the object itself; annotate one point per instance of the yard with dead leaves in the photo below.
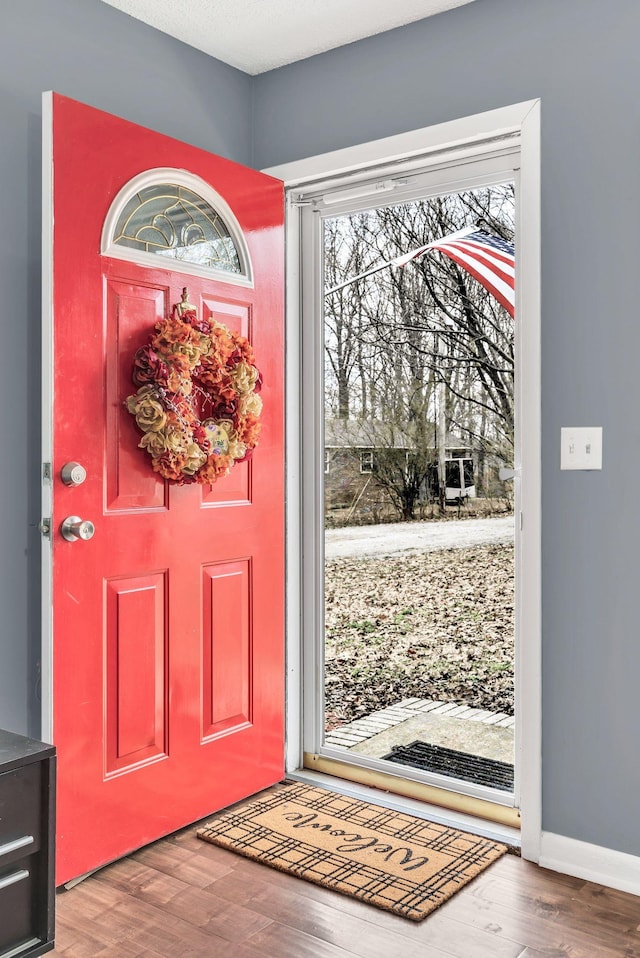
(437, 625)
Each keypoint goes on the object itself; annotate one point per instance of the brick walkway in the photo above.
(365, 728)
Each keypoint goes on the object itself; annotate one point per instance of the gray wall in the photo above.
(581, 57)
(91, 52)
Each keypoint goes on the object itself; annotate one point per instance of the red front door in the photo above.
(168, 624)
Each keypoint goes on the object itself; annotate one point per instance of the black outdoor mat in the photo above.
(461, 765)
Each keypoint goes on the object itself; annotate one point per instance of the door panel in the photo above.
(236, 489)
(130, 309)
(168, 625)
(226, 651)
(135, 673)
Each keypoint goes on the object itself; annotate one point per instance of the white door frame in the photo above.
(46, 662)
(439, 144)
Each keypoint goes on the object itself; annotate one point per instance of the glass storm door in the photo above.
(411, 396)
(167, 623)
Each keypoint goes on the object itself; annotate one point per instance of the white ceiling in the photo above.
(260, 35)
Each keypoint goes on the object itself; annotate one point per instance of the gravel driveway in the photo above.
(410, 537)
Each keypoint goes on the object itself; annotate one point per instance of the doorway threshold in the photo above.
(509, 834)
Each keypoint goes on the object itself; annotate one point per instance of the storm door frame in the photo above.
(441, 147)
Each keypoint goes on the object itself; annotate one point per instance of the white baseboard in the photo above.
(592, 862)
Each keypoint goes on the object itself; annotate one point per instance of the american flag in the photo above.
(489, 258)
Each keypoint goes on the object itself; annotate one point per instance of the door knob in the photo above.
(74, 528)
(73, 474)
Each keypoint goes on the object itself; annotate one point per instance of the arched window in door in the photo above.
(177, 217)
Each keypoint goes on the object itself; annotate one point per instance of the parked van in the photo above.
(459, 480)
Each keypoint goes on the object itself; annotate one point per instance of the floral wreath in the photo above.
(197, 403)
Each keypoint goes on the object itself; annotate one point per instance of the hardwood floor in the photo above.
(182, 898)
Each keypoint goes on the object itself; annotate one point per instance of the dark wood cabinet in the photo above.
(27, 841)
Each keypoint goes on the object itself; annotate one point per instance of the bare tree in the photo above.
(392, 338)
(346, 252)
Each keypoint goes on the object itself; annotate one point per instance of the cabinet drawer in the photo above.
(17, 899)
(20, 813)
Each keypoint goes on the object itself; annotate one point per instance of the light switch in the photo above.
(581, 447)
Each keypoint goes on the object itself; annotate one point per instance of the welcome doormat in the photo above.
(394, 861)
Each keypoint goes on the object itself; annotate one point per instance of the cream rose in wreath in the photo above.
(197, 404)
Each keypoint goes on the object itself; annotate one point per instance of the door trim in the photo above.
(438, 144)
(46, 660)
(400, 785)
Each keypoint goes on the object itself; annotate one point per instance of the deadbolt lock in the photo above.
(73, 474)
(74, 528)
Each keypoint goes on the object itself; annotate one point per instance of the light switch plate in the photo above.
(581, 447)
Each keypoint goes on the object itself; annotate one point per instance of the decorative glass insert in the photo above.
(175, 222)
